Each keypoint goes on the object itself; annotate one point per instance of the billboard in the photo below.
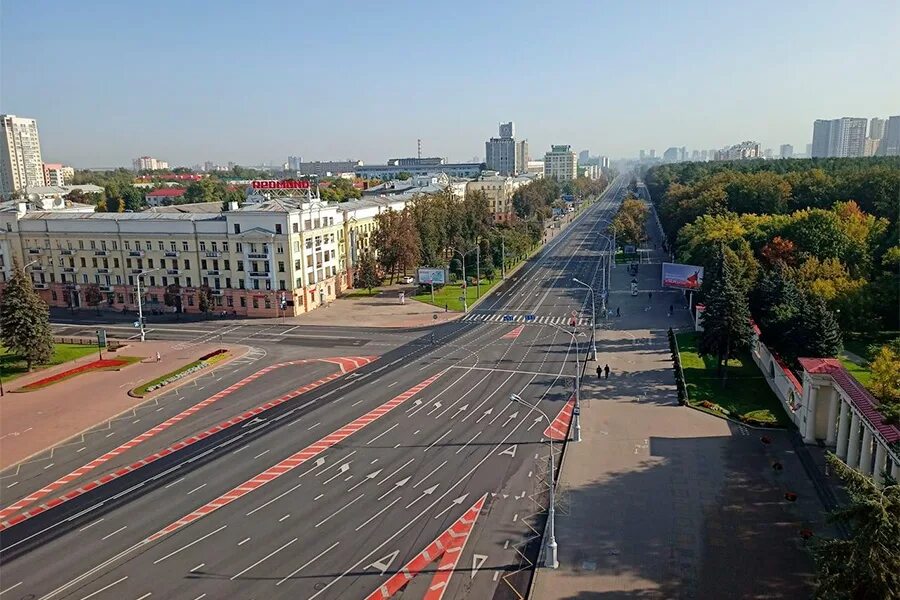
(287, 184)
(683, 277)
(435, 276)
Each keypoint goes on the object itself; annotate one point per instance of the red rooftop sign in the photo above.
(272, 184)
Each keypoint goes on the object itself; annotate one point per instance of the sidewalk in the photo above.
(31, 422)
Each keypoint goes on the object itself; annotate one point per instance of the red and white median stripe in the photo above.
(447, 547)
(13, 508)
(514, 333)
(295, 460)
(558, 430)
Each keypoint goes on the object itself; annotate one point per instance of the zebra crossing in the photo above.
(508, 318)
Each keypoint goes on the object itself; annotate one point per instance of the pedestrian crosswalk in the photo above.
(509, 318)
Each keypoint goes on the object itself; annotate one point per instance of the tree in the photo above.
(726, 319)
(172, 296)
(24, 320)
(866, 565)
(630, 223)
(818, 333)
(885, 382)
(204, 299)
(92, 296)
(367, 272)
(205, 190)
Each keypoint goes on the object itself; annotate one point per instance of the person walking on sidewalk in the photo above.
(671, 310)
(599, 372)
(605, 371)
(618, 311)
(158, 357)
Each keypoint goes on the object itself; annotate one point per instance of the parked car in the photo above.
(407, 279)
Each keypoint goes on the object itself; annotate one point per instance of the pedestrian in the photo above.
(158, 357)
(606, 371)
(618, 311)
(671, 310)
(599, 372)
(650, 297)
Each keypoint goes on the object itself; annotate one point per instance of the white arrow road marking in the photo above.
(511, 451)
(536, 421)
(456, 502)
(437, 406)
(415, 403)
(384, 563)
(397, 485)
(510, 418)
(319, 462)
(425, 492)
(486, 413)
(253, 422)
(459, 410)
(341, 470)
(368, 477)
(400, 468)
(477, 561)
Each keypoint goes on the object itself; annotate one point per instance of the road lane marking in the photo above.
(400, 468)
(145, 596)
(431, 445)
(278, 497)
(12, 587)
(309, 562)
(382, 433)
(109, 535)
(200, 566)
(243, 541)
(199, 487)
(266, 557)
(461, 448)
(429, 475)
(283, 518)
(340, 510)
(179, 480)
(91, 525)
(263, 453)
(376, 515)
(186, 546)
(104, 588)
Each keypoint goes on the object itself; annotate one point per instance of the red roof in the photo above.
(167, 192)
(787, 372)
(864, 401)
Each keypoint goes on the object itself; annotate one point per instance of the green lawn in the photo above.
(450, 295)
(746, 392)
(12, 366)
(860, 372)
(858, 343)
(360, 293)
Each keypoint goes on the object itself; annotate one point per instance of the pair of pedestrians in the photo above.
(603, 372)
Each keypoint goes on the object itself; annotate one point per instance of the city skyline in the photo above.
(202, 99)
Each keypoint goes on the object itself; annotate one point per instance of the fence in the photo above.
(680, 384)
(781, 380)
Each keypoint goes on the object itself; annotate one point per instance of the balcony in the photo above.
(34, 251)
(37, 267)
(41, 286)
(101, 253)
(137, 253)
(171, 254)
(213, 272)
(69, 270)
(172, 271)
(103, 271)
(260, 274)
(212, 254)
(66, 251)
(136, 271)
(257, 255)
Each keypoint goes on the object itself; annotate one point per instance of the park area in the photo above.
(448, 296)
(745, 396)
(11, 366)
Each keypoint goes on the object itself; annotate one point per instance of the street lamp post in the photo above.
(462, 255)
(139, 303)
(550, 558)
(593, 315)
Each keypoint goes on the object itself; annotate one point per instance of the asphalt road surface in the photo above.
(409, 465)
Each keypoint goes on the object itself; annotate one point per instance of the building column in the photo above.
(811, 402)
(895, 472)
(843, 429)
(853, 443)
(880, 462)
(831, 437)
(865, 456)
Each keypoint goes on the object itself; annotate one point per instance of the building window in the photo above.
(103, 244)
(240, 265)
(227, 265)
(81, 244)
(149, 263)
(165, 281)
(255, 302)
(268, 302)
(93, 245)
(202, 246)
(161, 245)
(228, 282)
(238, 247)
(243, 302)
(184, 246)
(281, 285)
(148, 245)
(240, 284)
(152, 280)
(173, 247)
(83, 263)
(187, 263)
(237, 227)
(299, 283)
(190, 300)
(295, 227)
(215, 247)
(224, 246)
(188, 281)
(203, 263)
(278, 228)
(281, 266)
(229, 301)
(94, 262)
(115, 263)
(127, 245)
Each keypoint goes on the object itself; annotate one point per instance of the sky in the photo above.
(254, 82)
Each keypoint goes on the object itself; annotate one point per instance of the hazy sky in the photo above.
(195, 80)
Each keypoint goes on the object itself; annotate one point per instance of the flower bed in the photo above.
(107, 364)
(170, 378)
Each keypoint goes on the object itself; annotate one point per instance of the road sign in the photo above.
(137, 323)
(507, 317)
(529, 317)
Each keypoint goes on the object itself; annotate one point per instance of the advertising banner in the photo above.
(682, 277)
(435, 276)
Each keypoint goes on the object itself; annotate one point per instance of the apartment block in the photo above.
(21, 165)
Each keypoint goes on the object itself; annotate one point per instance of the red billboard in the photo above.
(274, 184)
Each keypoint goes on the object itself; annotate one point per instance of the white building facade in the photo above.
(561, 162)
(21, 164)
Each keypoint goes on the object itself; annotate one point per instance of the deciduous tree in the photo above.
(367, 272)
(92, 295)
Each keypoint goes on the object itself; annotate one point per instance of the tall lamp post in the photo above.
(550, 557)
(462, 255)
(593, 314)
(139, 300)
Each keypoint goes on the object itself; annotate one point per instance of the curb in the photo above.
(86, 429)
(736, 421)
(168, 388)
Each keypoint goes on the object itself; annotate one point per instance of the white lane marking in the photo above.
(145, 596)
(446, 433)
(200, 597)
(264, 558)
(12, 587)
(278, 497)
(393, 384)
(415, 485)
(285, 332)
(263, 453)
(186, 546)
(91, 525)
(344, 468)
(83, 448)
(382, 433)
(199, 487)
(103, 589)
(48, 466)
(376, 515)
(200, 566)
(341, 509)
(461, 448)
(174, 482)
(425, 492)
(400, 468)
(313, 426)
(243, 541)
(309, 562)
(108, 435)
(397, 486)
(319, 496)
(241, 449)
(109, 535)
(283, 518)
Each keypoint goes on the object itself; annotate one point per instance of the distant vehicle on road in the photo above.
(407, 279)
